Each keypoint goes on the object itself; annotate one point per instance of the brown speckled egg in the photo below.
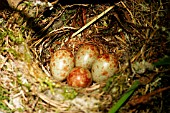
(86, 55)
(79, 77)
(104, 67)
(61, 64)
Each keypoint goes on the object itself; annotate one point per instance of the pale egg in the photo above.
(104, 67)
(86, 55)
(61, 63)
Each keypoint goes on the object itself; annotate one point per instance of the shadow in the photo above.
(37, 28)
(4, 5)
(70, 2)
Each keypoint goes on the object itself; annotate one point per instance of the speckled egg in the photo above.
(61, 64)
(79, 77)
(86, 55)
(104, 67)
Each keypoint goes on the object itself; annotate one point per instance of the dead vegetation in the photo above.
(136, 32)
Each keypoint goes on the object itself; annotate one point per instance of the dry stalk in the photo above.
(93, 20)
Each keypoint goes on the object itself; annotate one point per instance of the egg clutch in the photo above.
(86, 66)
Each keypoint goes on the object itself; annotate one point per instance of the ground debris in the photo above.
(136, 32)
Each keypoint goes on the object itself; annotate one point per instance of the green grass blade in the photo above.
(163, 61)
(124, 97)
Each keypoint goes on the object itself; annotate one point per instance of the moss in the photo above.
(69, 93)
(4, 96)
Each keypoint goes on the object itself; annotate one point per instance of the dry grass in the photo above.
(136, 32)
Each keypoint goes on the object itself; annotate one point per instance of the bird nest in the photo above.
(136, 32)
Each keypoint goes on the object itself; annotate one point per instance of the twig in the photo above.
(145, 98)
(133, 19)
(92, 21)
